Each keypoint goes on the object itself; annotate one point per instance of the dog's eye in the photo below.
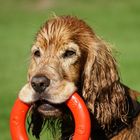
(68, 53)
(37, 53)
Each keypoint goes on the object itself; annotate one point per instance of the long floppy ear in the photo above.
(103, 92)
(100, 71)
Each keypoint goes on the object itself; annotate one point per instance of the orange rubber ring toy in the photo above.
(75, 104)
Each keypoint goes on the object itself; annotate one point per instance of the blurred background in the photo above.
(117, 22)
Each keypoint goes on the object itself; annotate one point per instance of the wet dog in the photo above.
(67, 56)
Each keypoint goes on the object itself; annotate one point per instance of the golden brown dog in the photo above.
(68, 56)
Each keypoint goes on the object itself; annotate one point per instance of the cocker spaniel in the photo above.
(68, 56)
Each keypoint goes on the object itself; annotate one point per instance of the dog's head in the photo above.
(67, 55)
(57, 61)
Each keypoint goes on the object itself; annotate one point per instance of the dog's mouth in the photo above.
(52, 101)
(49, 110)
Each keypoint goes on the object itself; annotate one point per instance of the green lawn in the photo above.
(118, 22)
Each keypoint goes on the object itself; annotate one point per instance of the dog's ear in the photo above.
(100, 71)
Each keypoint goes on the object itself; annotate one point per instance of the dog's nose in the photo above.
(40, 83)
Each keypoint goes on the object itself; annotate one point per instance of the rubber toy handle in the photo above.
(75, 104)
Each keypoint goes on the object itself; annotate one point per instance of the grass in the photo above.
(117, 22)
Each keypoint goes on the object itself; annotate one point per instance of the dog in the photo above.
(68, 56)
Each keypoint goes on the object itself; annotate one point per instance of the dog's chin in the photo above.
(49, 110)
